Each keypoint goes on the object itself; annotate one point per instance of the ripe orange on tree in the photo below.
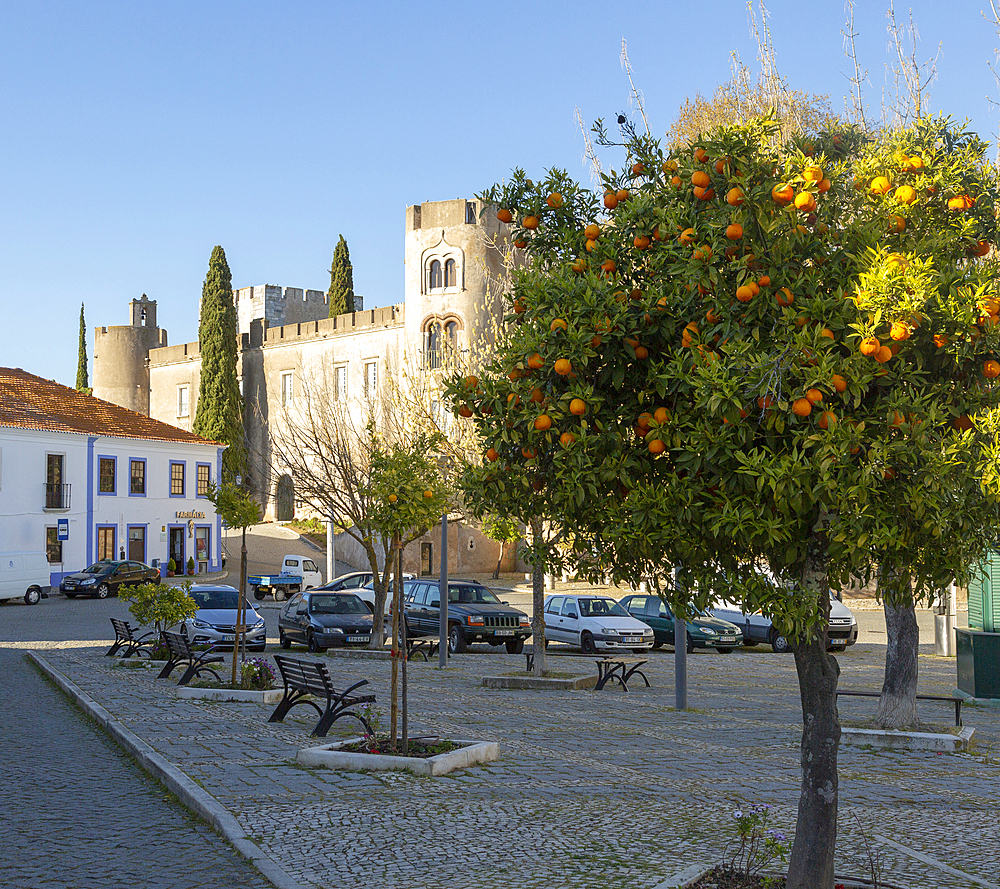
(897, 224)
(744, 293)
(563, 366)
(530, 223)
(537, 395)
(661, 415)
(610, 200)
(578, 407)
(961, 202)
(839, 383)
(704, 194)
(827, 420)
(802, 407)
(734, 231)
(785, 297)
(782, 194)
(883, 354)
(735, 196)
(536, 362)
(504, 215)
(805, 202)
(520, 243)
(701, 155)
(638, 168)
(592, 231)
(869, 346)
(623, 195)
(879, 185)
(812, 174)
(641, 242)
(608, 266)
(641, 352)
(554, 200)
(557, 324)
(899, 331)
(686, 237)
(701, 178)
(566, 439)
(991, 369)
(905, 194)
(465, 411)
(492, 455)
(656, 447)
(814, 396)
(543, 422)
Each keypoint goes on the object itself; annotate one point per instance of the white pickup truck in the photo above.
(297, 573)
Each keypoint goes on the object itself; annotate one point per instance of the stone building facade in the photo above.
(289, 349)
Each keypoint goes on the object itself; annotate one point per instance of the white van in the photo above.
(23, 575)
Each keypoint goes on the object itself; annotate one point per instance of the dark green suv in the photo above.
(475, 614)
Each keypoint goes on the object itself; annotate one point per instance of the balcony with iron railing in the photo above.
(57, 496)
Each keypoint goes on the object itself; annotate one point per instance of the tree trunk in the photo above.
(378, 616)
(538, 605)
(897, 707)
(398, 599)
(810, 865)
(496, 573)
(393, 697)
(240, 605)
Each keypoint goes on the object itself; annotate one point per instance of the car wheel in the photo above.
(514, 646)
(723, 650)
(283, 640)
(257, 594)
(587, 643)
(70, 595)
(657, 644)
(779, 643)
(313, 645)
(749, 643)
(838, 648)
(546, 643)
(279, 595)
(33, 596)
(456, 640)
(103, 590)
(690, 644)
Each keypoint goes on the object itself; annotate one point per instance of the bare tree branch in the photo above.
(856, 109)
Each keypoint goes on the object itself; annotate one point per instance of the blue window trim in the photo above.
(145, 541)
(114, 477)
(91, 487)
(208, 466)
(217, 564)
(170, 479)
(145, 476)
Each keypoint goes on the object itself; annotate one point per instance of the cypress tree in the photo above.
(219, 414)
(341, 292)
(82, 382)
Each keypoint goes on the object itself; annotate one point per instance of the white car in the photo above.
(842, 631)
(594, 623)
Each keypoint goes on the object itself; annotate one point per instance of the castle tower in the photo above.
(451, 255)
(121, 357)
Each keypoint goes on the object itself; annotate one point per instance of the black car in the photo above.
(104, 578)
(321, 619)
(475, 614)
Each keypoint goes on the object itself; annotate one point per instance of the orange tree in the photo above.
(408, 497)
(742, 357)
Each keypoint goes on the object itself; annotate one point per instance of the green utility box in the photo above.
(978, 647)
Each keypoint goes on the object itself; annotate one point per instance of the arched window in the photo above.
(435, 277)
(450, 279)
(451, 329)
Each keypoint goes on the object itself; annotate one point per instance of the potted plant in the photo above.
(171, 568)
(190, 565)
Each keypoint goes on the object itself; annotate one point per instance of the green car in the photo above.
(704, 631)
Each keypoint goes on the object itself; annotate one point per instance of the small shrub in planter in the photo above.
(257, 674)
(171, 568)
(190, 564)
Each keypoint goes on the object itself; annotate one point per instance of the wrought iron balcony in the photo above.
(57, 496)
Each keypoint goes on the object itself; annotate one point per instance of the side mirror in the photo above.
(504, 602)
(435, 603)
(572, 614)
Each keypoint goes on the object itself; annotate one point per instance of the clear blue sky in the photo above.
(134, 137)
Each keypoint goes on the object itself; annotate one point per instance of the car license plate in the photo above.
(229, 638)
(359, 638)
(504, 633)
(632, 640)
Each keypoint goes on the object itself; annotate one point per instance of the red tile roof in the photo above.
(30, 402)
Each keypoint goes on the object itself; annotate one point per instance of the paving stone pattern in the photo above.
(594, 789)
(76, 811)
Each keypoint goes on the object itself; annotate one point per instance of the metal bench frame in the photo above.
(128, 642)
(876, 694)
(304, 680)
(180, 653)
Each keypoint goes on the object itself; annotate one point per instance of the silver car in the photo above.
(215, 621)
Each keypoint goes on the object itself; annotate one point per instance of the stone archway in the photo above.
(284, 499)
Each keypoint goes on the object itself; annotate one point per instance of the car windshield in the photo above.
(337, 605)
(99, 568)
(218, 599)
(473, 595)
(595, 607)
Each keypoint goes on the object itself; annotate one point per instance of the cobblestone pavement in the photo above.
(77, 811)
(594, 789)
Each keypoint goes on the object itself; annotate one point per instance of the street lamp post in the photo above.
(443, 466)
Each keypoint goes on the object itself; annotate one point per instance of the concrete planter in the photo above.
(243, 695)
(532, 682)
(896, 740)
(330, 756)
(688, 877)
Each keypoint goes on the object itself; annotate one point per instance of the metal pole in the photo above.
(443, 595)
(331, 559)
(680, 664)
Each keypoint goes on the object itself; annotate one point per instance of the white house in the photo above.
(84, 479)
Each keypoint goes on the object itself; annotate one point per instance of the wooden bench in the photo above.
(179, 653)
(306, 679)
(875, 694)
(128, 641)
(621, 669)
